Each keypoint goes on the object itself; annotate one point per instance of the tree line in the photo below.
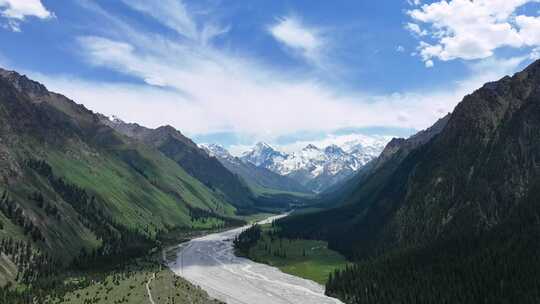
(501, 265)
(14, 212)
(37, 270)
(470, 270)
(116, 238)
(247, 239)
(198, 214)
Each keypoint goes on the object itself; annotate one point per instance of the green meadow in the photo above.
(304, 258)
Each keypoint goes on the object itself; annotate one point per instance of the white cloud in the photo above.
(535, 54)
(174, 14)
(298, 37)
(400, 49)
(171, 13)
(16, 11)
(470, 30)
(208, 99)
(415, 29)
(200, 89)
(529, 29)
(147, 105)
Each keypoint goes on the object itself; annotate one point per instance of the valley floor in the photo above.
(210, 262)
(308, 259)
(142, 281)
(136, 280)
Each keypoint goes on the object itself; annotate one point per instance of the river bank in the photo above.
(308, 259)
(210, 263)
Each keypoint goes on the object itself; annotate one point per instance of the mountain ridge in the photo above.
(315, 168)
(189, 156)
(262, 179)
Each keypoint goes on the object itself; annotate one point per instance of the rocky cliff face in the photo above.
(23, 84)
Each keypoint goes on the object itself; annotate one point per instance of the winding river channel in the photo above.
(210, 263)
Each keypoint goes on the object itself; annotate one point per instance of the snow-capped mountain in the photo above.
(318, 168)
(218, 152)
(364, 147)
(256, 176)
(263, 155)
(315, 161)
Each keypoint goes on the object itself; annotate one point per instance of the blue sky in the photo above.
(237, 72)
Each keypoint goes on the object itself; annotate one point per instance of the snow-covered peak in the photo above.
(216, 151)
(310, 147)
(368, 144)
(262, 146)
(319, 167)
(334, 150)
(316, 165)
(310, 152)
(263, 155)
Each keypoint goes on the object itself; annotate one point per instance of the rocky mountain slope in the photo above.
(74, 189)
(261, 179)
(450, 199)
(315, 168)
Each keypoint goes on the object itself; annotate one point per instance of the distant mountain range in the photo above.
(262, 180)
(316, 168)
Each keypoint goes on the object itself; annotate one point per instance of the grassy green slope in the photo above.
(159, 197)
(154, 197)
(135, 186)
(265, 191)
(128, 284)
(194, 160)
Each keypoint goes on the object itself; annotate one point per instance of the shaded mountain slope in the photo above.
(453, 219)
(370, 179)
(465, 180)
